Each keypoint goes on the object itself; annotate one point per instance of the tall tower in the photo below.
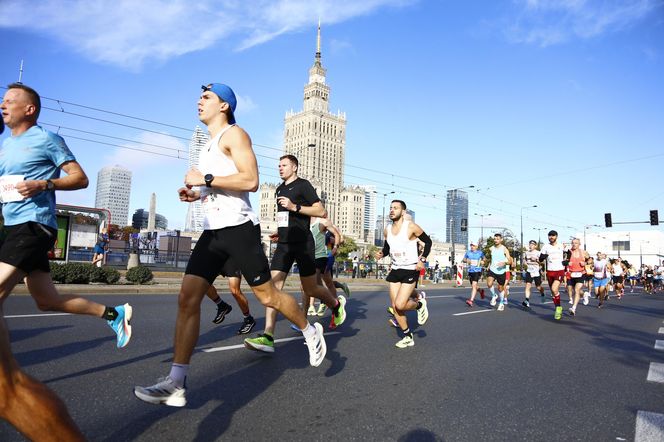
(318, 138)
(457, 209)
(194, 221)
(113, 192)
(153, 212)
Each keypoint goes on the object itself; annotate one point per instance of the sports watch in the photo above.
(50, 185)
(208, 179)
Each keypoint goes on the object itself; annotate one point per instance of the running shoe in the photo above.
(586, 298)
(316, 345)
(501, 307)
(295, 327)
(572, 312)
(120, 325)
(312, 311)
(469, 303)
(321, 309)
(570, 302)
(559, 313)
(422, 313)
(482, 293)
(493, 300)
(421, 295)
(390, 310)
(263, 342)
(346, 290)
(393, 322)
(247, 325)
(526, 303)
(407, 341)
(163, 392)
(337, 319)
(222, 310)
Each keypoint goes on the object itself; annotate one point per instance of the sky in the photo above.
(553, 103)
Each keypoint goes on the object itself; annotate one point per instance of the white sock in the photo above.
(309, 331)
(178, 374)
(501, 296)
(493, 291)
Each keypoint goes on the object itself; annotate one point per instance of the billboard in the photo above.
(59, 250)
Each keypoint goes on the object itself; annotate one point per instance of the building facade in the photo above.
(194, 221)
(140, 220)
(457, 212)
(113, 192)
(635, 246)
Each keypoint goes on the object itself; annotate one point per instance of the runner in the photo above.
(475, 260)
(401, 245)
(631, 276)
(554, 256)
(588, 279)
(600, 278)
(297, 202)
(234, 275)
(532, 272)
(227, 172)
(577, 268)
(500, 261)
(100, 248)
(617, 269)
(31, 161)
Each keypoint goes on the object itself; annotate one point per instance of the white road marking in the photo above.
(649, 427)
(661, 330)
(656, 372)
(659, 345)
(234, 347)
(37, 315)
(474, 311)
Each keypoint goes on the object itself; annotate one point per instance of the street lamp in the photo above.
(481, 215)
(521, 254)
(539, 234)
(586, 227)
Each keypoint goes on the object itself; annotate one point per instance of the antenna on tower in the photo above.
(20, 72)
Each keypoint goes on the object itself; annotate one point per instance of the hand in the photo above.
(335, 249)
(286, 203)
(194, 177)
(187, 195)
(29, 188)
(274, 237)
(419, 265)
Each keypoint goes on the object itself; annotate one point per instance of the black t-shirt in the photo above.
(299, 192)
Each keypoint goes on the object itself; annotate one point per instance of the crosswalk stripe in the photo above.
(656, 372)
(649, 427)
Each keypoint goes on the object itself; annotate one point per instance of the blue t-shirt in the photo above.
(474, 258)
(37, 154)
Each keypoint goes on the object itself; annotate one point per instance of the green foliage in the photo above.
(58, 272)
(97, 274)
(78, 272)
(347, 247)
(139, 275)
(112, 275)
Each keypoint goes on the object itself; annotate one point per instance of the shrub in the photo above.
(58, 272)
(139, 275)
(112, 275)
(78, 273)
(97, 274)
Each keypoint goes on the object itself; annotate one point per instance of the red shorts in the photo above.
(555, 275)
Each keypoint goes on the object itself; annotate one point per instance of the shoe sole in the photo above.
(425, 315)
(319, 332)
(129, 311)
(258, 347)
(410, 344)
(171, 401)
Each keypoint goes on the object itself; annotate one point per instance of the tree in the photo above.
(346, 248)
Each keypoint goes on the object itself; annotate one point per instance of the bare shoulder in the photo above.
(236, 138)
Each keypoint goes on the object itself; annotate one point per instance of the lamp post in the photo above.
(539, 234)
(586, 227)
(521, 254)
(481, 215)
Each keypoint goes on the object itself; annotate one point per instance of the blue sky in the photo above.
(556, 103)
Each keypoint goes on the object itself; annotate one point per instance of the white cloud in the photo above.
(129, 33)
(550, 22)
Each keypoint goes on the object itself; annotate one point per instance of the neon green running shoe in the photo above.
(390, 310)
(339, 318)
(559, 313)
(262, 342)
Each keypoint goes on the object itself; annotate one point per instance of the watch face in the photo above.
(208, 177)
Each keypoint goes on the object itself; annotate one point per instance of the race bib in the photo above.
(282, 219)
(474, 262)
(577, 274)
(8, 192)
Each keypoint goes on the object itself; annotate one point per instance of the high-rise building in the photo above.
(369, 222)
(350, 216)
(113, 192)
(457, 210)
(318, 138)
(141, 217)
(194, 221)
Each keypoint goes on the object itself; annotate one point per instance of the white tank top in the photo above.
(617, 269)
(222, 208)
(599, 269)
(403, 250)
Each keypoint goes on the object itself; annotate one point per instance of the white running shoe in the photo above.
(422, 295)
(570, 302)
(407, 341)
(422, 312)
(163, 392)
(493, 300)
(501, 307)
(317, 346)
(572, 311)
(312, 311)
(586, 298)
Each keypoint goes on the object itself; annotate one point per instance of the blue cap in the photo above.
(225, 93)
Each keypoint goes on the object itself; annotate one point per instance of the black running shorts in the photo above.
(474, 276)
(500, 278)
(26, 246)
(403, 276)
(536, 279)
(321, 265)
(301, 252)
(231, 270)
(241, 243)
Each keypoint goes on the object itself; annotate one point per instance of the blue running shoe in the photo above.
(121, 325)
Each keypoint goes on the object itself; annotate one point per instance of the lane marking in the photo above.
(649, 427)
(656, 372)
(659, 345)
(661, 330)
(234, 347)
(38, 315)
(474, 311)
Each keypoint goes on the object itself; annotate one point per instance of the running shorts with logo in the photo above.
(26, 246)
(242, 243)
(474, 276)
(555, 275)
(301, 252)
(231, 270)
(403, 276)
(499, 277)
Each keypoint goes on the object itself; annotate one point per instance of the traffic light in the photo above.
(654, 218)
(464, 224)
(607, 220)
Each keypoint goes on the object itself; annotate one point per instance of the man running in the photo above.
(577, 268)
(401, 245)
(30, 164)
(617, 269)
(500, 261)
(554, 256)
(475, 260)
(297, 201)
(234, 275)
(600, 277)
(532, 272)
(227, 172)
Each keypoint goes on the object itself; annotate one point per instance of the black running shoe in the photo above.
(247, 325)
(222, 311)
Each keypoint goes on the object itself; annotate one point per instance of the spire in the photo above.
(318, 44)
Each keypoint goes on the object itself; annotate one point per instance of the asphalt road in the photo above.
(472, 375)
